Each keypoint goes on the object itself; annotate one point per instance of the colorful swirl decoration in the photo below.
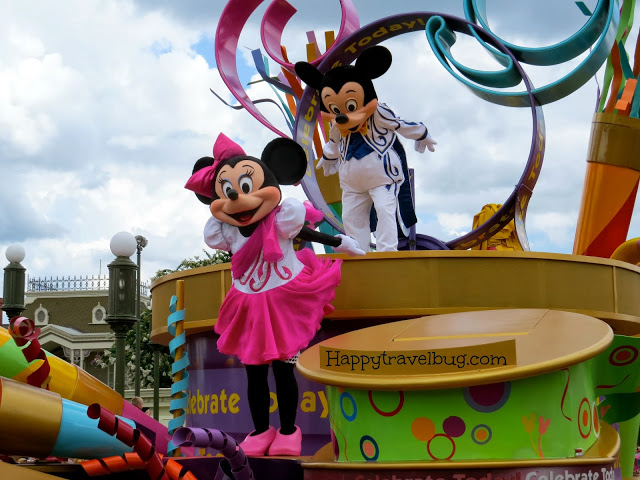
(597, 36)
(594, 39)
(178, 405)
(211, 438)
(144, 456)
(613, 166)
(441, 30)
(24, 332)
(232, 21)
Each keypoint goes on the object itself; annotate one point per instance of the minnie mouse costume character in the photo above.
(364, 150)
(279, 296)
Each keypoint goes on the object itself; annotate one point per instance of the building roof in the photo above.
(69, 309)
(71, 338)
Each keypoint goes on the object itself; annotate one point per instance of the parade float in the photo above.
(440, 375)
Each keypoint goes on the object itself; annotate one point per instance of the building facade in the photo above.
(71, 313)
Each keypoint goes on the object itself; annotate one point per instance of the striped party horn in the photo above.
(144, 457)
(39, 423)
(73, 383)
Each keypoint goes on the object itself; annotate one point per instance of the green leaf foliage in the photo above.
(146, 357)
(215, 258)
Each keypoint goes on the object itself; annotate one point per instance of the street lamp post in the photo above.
(141, 242)
(13, 290)
(121, 314)
(156, 380)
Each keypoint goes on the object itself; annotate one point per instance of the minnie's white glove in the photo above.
(348, 246)
(426, 142)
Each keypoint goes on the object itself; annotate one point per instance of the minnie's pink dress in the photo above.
(279, 296)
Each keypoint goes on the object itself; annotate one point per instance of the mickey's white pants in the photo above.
(356, 208)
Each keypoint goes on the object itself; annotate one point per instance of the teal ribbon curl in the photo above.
(598, 33)
(177, 388)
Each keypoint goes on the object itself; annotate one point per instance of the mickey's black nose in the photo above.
(341, 118)
(232, 194)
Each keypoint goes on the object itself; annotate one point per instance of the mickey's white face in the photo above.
(242, 199)
(346, 108)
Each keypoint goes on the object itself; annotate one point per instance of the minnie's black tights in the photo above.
(259, 400)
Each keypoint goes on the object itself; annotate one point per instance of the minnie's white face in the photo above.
(242, 199)
(347, 108)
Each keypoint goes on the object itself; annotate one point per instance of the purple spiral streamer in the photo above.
(212, 438)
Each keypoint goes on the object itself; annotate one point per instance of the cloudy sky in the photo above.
(105, 106)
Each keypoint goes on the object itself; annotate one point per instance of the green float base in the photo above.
(600, 462)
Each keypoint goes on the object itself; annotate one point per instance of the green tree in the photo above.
(215, 258)
(146, 357)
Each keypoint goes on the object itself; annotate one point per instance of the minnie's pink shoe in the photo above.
(286, 444)
(257, 445)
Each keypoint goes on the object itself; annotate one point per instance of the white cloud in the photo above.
(23, 43)
(455, 223)
(132, 142)
(104, 108)
(558, 228)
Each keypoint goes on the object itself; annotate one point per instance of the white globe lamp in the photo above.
(123, 244)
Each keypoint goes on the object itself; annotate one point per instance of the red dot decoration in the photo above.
(389, 413)
(454, 426)
(487, 398)
(584, 418)
(441, 435)
(623, 355)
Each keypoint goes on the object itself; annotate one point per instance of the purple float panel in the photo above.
(217, 397)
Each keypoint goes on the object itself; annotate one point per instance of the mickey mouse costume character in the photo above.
(364, 150)
(279, 296)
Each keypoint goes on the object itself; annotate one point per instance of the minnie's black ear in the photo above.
(200, 164)
(374, 62)
(286, 159)
(309, 74)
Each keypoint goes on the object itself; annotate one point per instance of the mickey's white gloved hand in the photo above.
(329, 167)
(426, 142)
(348, 246)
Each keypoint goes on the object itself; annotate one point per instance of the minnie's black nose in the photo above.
(341, 118)
(232, 194)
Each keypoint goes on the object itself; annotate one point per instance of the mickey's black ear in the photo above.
(309, 74)
(374, 62)
(200, 164)
(286, 159)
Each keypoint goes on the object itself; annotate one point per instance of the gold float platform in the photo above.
(583, 337)
(402, 285)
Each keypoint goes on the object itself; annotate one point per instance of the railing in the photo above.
(70, 284)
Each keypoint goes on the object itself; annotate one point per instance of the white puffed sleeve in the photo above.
(213, 235)
(290, 219)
